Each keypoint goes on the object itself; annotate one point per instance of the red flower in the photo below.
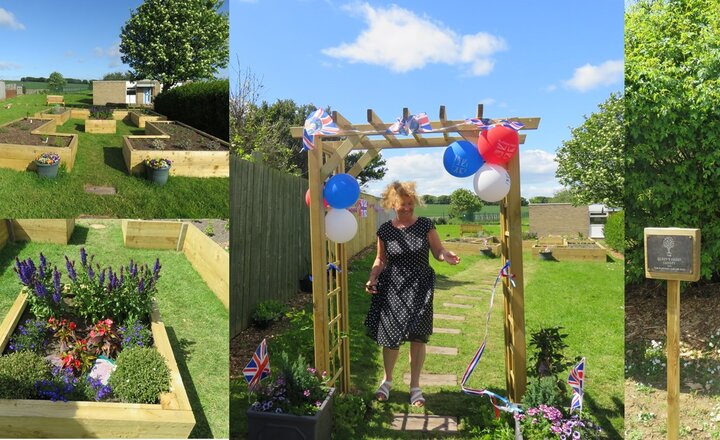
(51, 320)
(72, 326)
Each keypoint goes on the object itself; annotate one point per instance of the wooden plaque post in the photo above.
(673, 254)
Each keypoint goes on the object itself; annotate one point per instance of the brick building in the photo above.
(141, 92)
(559, 219)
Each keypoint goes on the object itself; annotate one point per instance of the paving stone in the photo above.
(424, 422)
(97, 226)
(427, 379)
(468, 297)
(450, 331)
(457, 306)
(448, 317)
(451, 351)
(100, 190)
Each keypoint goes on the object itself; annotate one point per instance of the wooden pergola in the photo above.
(330, 288)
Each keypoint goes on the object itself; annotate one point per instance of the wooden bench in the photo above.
(55, 99)
(470, 228)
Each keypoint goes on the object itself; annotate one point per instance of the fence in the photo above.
(480, 217)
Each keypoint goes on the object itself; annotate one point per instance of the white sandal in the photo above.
(383, 392)
(416, 397)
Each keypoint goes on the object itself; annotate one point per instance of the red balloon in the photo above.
(307, 199)
(499, 144)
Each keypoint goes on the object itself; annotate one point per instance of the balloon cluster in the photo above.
(495, 148)
(341, 192)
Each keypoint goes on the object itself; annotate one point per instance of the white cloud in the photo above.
(589, 77)
(537, 162)
(7, 19)
(7, 65)
(402, 41)
(488, 101)
(551, 88)
(112, 53)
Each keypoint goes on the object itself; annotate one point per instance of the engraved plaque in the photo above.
(672, 253)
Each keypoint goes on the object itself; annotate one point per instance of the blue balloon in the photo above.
(462, 159)
(341, 191)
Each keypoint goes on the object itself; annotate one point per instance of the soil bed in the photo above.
(181, 138)
(19, 133)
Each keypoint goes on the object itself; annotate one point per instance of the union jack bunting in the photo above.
(487, 124)
(363, 208)
(318, 122)
(576, 380)
(259, 366)
(419, 123)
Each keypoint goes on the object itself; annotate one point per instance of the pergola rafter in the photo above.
(330, 294)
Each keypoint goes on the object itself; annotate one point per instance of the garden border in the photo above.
(171, 418)
(562, 252)
(139, 119)
(56, 231)
(22, 157)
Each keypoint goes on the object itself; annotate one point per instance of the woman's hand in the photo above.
(450, 257)
(371, 287)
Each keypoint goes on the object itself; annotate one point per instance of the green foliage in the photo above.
(104, 113)
(375, 170)
(266, 311)
(615, 231)
(176, 40)
(440, 220)
(201, 104)
(209, 230)
(56, 82)
(442, 200)
(18, 373)
(135, 334)
(141, 376)
(118, 76)
(30, 336)
(540, 199)
(562, 196)
(429, 199)
(591, 164)
(548, 358)
(464, 202)
(544, 390)
(672, 73)
(349, 412)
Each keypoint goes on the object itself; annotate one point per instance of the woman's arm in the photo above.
(438, 251)
(377, 267)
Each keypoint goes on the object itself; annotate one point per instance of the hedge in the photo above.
(615, 231)
(203, 105)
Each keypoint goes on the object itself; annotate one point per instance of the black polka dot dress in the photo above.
(402, 310)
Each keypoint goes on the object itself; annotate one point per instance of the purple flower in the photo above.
(91, 273)
(70, 269)
(56, 285)
(101, 278)
(306, 393)
(156, 268)
(83, 257)
(141, 286)
(40, 290)
(43, 261)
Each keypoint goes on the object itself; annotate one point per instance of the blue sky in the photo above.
(79, 39)
(519, 59)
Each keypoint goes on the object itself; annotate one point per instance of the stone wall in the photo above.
(109, 92)
(559, 219)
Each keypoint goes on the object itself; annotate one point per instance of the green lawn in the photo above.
(444, 210)
(195, 319)
(43, 85)
(100, 162)
(585, 298)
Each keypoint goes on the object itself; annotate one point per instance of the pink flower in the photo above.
(306, 393)
(318, 404)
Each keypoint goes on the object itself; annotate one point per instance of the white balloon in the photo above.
(340, 225)
(492, 182)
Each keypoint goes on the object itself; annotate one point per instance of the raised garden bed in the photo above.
(101, 126)
(474, 245)
(58, 114)
(573, 249)
(193, 153)
(22, 140)
(56, 231)
(140, 117)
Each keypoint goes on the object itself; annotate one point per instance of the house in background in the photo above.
(141, 92)
(2, 90)
(568, 220)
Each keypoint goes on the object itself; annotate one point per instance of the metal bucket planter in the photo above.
(47, 170)
(546, 255)
(271, 426)
(487, 252)
(158, 176)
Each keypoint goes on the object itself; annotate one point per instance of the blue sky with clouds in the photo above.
(79, 39)
(521, 59)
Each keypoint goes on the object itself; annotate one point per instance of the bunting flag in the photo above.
(317, 123)
(419, 123)
(363, 208)
(487, 124)
(576, 380)
(506, 405)
(259, 366)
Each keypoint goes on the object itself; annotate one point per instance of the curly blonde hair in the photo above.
(394, 193)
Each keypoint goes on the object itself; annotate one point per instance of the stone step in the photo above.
(100, 190)
(450, 351)
(448, 317)
(457, 306)
(468, 297)
(449, 331)
(424, 423)
(428, 379)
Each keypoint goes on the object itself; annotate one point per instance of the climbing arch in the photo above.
(330, 287)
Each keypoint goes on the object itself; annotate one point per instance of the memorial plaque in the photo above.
(672, 253)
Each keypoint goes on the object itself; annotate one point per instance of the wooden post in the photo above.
(673, 359)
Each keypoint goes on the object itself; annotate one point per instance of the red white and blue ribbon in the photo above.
(317, 123)
(487, 124)
(576, 380)
(419, 123)
(505, 405)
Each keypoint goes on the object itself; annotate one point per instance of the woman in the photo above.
(402, 283)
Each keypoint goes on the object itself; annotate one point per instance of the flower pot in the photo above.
(47, 170)
(547, 256)
(158, 176)
(306, 284)
(487, 252)
(271, 426)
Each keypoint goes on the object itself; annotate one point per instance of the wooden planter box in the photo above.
(139, 118)
(56, 231)
(592, 252)
(101, 126)
(474, 246)
(59, 118)
(271, 426)
(171, 418)
(22, 157)
(184, 163)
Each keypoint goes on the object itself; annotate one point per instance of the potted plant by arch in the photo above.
(47, 165)
(158, 170)
(546, 254)
(485, 249)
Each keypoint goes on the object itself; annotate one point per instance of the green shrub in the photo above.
(269, 310)
(548, 358)
(440, 220)
(615, 231)
(141, 376)
(544, 391)
(349, 412)
(202, 104)
(18, 373)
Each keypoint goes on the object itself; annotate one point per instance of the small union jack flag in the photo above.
(487, 124)
(318, 122)
(419, 123)
(576, 380)
(363, 208)
(259, 366)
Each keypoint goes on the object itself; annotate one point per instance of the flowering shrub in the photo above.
(64, 386)
(157, 163)
(101, 113)
(64, 331)
(141, 375)
(104, 339)
(546, 422)
(135, 334)
(293, 388)
(47, 158)
(42, 286)
(79, 359)
(30, 336)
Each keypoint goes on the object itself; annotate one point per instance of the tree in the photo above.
(673, 129)
(562, 196)
(540, 199)
(176, 40)
(429, 199)
(464, 202)
(118, 76)
(56, 82)
(591, 164)
(375, 170)
(524, 201)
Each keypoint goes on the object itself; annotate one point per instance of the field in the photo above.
(443, 210)
(34, 85)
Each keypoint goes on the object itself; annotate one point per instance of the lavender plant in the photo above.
(30, 336)
(42, 285)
